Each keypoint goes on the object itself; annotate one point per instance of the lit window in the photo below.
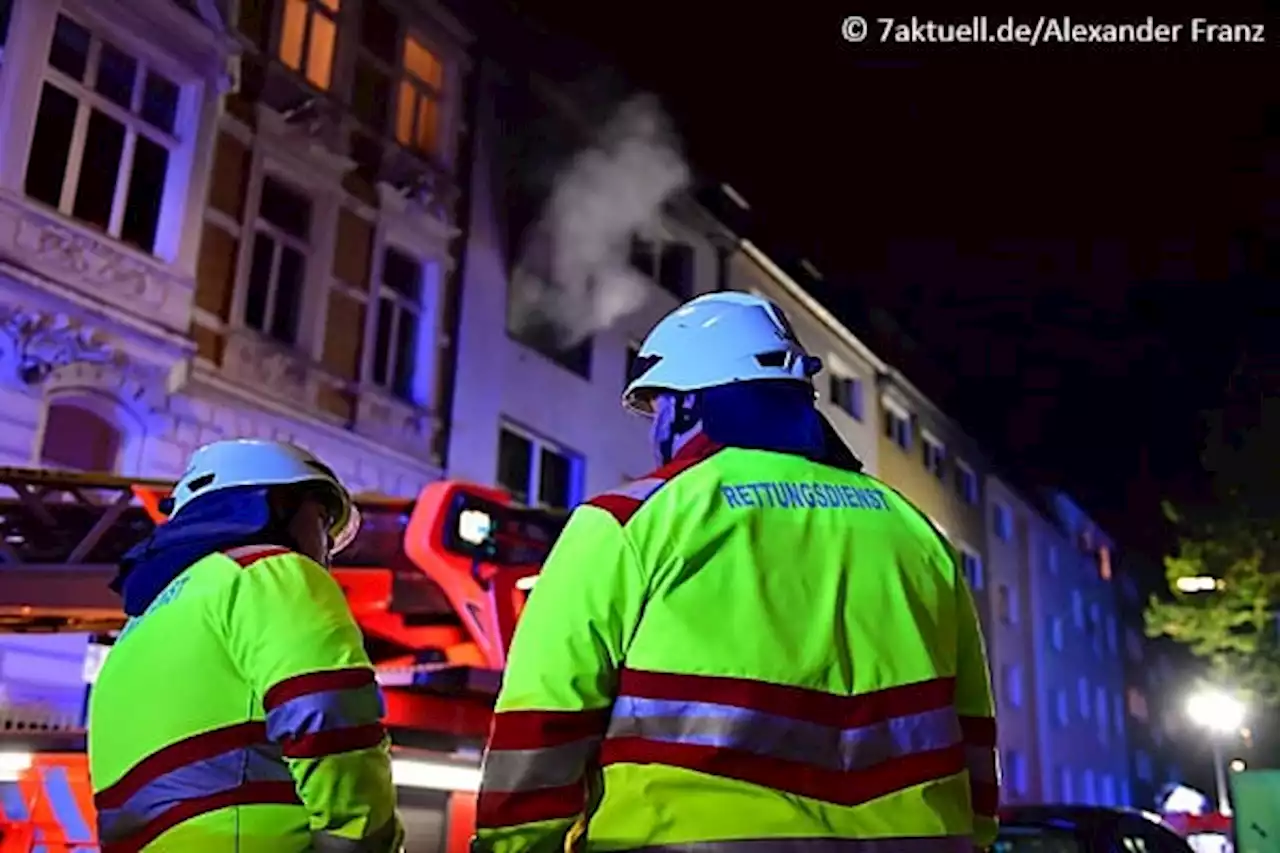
(396, 68)
(278, 267)
(104, 135)
(536, 472)
(1012, 678)
(308, 34)
(1057, 633)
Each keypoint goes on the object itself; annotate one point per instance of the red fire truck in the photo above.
(437, 583)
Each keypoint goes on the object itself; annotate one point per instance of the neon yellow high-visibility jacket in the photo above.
(745, 646)
(239, 714)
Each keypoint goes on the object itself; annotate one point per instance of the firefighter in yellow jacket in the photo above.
(237, 711)
(756, 647)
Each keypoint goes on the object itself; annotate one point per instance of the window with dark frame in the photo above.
(108, 170)
(278, 266)
(399, 323)
(846, 394)
(536, 473)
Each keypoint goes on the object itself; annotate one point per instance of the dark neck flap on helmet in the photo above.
(764, 415)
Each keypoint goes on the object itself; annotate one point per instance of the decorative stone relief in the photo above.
(413, 212)
(397, 424)
(312, 141)
(39, 343)
(142, 391)
(93, 265)
(258, 364)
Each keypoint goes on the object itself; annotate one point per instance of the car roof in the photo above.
(1037, 815)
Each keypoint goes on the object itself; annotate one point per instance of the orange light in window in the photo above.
(421, 63)
(1104, 563)
(293, 33)
(324, 34)
(406, 101)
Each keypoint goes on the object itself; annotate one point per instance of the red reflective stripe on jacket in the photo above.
(250, 793)
(187, 751)
(512, 808)
(333, 741)
(799, 703)
(623, 506)
(766, 745)
(980, 732)
(317, 682)
(541, 729)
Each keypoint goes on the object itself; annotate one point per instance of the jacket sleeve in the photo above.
(292, 635)
(976, 707)
(558, 688)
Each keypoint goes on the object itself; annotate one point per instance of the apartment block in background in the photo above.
(925, 455)
(1015, 544)
(1082, 713)
(847, 385)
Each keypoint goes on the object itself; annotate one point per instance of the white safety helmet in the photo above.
(717, 339)
(253, 462)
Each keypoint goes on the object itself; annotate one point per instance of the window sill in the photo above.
(93, 264)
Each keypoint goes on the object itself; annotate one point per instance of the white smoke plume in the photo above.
(574, 278)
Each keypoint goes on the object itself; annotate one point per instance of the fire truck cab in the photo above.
(437, 584)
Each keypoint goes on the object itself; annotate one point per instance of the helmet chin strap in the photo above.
(678, 419)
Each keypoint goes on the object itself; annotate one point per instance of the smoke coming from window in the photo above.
(574, 278)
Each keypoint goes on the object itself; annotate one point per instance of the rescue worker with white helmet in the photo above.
(756, 647)
(237, 710)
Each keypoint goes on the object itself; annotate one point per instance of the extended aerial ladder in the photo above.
(436, 583)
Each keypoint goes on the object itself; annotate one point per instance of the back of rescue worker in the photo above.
(237, 711)
(756, 647)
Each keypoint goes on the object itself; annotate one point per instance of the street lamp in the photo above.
(1222, 714)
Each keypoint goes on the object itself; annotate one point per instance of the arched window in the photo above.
(79, 439)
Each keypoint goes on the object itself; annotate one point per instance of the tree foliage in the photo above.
(1234, 539)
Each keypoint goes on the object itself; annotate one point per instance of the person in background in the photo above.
(237, 710)
(756, 647)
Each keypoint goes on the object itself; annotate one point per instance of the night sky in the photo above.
(1075, 237)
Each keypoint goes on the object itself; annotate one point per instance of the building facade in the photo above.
(214, 228)
(1015, 544)
(1083, 721)
(533, 412)
(925, 456)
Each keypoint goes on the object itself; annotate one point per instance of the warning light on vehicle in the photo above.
(474, 526)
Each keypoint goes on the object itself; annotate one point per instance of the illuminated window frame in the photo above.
(412, 98)
(302, 22)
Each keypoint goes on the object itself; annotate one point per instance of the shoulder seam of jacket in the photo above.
(625, 501)
(246, 555)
